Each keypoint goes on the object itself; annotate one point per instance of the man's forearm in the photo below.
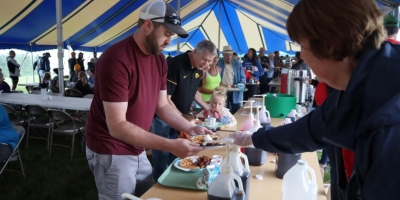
(173, 118)
(134, 135)
(199, 99)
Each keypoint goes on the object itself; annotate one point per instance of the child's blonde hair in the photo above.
(219, 91)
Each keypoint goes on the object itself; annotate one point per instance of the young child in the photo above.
(44, 83)
(218, 101)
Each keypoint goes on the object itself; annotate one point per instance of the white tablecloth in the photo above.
(56, 101)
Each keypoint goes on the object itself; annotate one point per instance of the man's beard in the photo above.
(152, 43)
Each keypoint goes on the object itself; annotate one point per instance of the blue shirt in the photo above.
(249, 66)
(91, 81)
(7, 133)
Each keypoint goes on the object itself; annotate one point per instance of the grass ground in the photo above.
(49, 177)
(327, 175)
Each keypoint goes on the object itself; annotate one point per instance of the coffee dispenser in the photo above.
(297, 85)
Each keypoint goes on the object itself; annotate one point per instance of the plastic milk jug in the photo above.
(264, 115)
(255, 156)
(240, 169)
(249, 122)
(297, 183)
(223, 187)
(292, 115)
(285, 121)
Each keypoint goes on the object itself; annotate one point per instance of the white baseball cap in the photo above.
(160, 11)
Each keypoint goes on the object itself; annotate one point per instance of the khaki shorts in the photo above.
(117, 174)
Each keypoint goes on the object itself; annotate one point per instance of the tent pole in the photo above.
(60, 53)
(178, 46)
(33, 71)
(219, 25)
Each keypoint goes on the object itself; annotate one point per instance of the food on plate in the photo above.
(184, 136)
(199, 139)
(200, 162)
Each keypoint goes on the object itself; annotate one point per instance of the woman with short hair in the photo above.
(343, 41)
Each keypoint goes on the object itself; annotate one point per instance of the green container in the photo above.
(280, 105)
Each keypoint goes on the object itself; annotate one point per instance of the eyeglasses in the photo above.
(171, 19)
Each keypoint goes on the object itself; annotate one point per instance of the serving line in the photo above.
(269, 187)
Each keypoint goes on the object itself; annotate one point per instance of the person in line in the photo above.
(82, 85)
(46, 65)
(184, 77)
(232, 74)
(95, 58)
(92, 63)
(71, 63)
(211, 79)
(301, 65)
(267, 68)
(218, 102)
(349, 54)
(124, 104)
(91, 77)
(252, 64)
(278, 62)
(392, 28)
(4, 87)
(8, 136)
(81, 61)
(13, 68)
(235, 56)
(74, 78)
(39, 65)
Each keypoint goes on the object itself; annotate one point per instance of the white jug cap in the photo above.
(302, 162)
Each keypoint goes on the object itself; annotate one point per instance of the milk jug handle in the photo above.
(268, 115)
(239, 180)
(312, 172)
(246, 162)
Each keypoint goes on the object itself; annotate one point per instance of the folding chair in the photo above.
(73, 93)
(69, 128)
(38, 117)
(32, 89)
(15, 117)
(16, 155)
(29, 88)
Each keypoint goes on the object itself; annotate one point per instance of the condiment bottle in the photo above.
(223, 187)
(242, 170)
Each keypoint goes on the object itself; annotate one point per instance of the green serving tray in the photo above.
(173, 177)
